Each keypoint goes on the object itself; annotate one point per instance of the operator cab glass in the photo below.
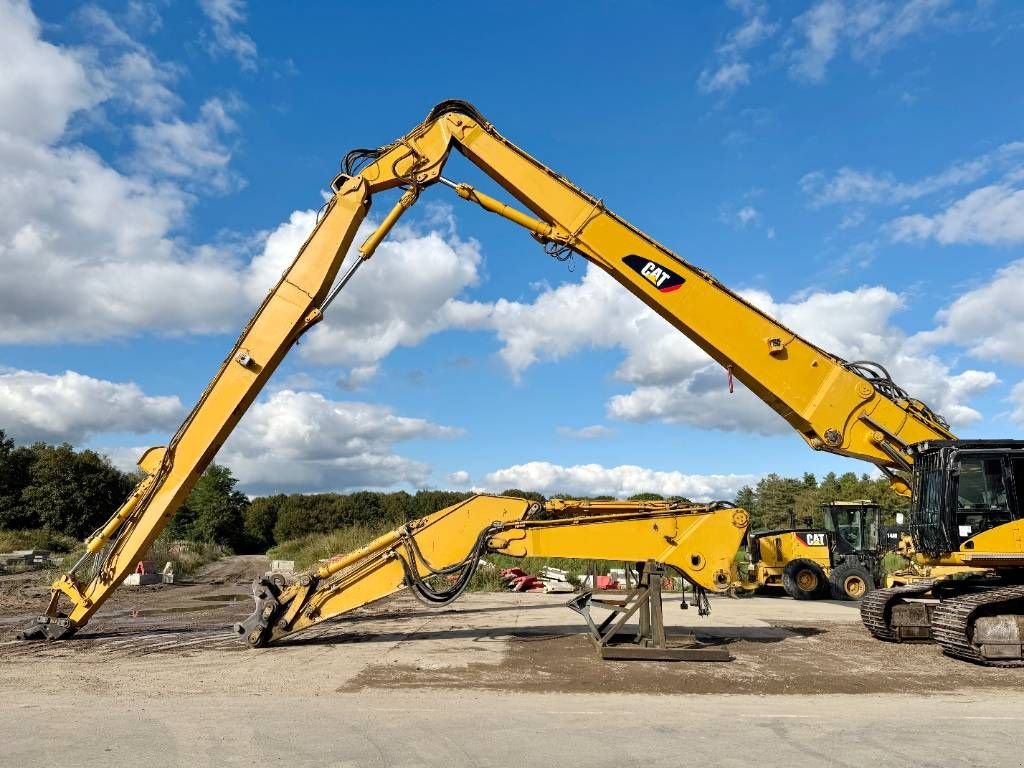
(963, 488)
(982, 494)
(856, 525)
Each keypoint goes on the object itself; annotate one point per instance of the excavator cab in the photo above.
(963, 489)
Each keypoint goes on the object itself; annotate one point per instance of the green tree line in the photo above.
(56, 488)
(785, 502)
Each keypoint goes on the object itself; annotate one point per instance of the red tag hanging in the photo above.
(729, 371)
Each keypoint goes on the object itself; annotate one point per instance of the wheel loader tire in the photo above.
(850, 582)
(805, 580)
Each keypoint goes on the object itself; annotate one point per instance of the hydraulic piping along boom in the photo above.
(435, 557)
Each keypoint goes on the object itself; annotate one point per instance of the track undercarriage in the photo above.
(981, 621)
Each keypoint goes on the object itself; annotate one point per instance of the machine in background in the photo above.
(841, 560)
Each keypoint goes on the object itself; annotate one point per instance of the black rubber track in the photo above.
(876, 608)
(953, 621)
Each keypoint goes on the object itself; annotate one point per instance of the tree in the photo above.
(15, 464)
(260, 518)
(215, 510)
(521, 494)
(646, 497)
(70, 492)
(745, 499)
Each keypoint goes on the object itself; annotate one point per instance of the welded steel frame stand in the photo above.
(650, 642)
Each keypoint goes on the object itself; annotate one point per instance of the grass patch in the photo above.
(186, 557)
(305, 551)
(892, 562)
(38, 538)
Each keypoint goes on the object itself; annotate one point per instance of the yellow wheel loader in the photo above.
(841, 560)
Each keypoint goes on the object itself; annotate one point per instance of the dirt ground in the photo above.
(496, 642)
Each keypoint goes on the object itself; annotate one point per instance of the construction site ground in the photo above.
(495, 679)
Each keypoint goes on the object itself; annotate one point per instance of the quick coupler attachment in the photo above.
(48, 628)
(255, 630)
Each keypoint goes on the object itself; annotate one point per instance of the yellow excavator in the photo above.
(965, 511)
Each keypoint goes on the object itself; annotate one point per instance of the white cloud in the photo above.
(130, 76)
(730, 71)
(72, 407)
(193, 152)
(1017, 399)
(850, 185)
(987, 320)
(620, 481)
(868, 29)
(404, 294)
(459, 477)
(726, 78)
(591, 432)
(820, 27)
(747, 214)
(87, 251)
(304, 441)
(226, 16)
(42, 85)
(992, 215)
(358, 377)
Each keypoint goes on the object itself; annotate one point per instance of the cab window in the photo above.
(982, 500)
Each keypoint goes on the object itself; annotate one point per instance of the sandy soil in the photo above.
(485, 641)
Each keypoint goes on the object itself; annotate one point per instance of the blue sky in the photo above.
(854, 166)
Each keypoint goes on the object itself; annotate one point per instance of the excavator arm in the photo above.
(845, 408)
(851, 409)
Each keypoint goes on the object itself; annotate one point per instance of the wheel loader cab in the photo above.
(855, 525)
(964, 488)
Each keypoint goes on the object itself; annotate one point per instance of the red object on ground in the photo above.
(607, 582)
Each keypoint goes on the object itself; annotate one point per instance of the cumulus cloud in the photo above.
(72, 407)
(987, 320)
(104, 246)
(405, 293)
(992, 215)
(194, 152)
(305, 441)
(226, 16)
(74, 231)
(42, 85)
(459, 477)
(620, 481)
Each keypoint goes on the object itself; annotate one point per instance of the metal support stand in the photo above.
(650, 642)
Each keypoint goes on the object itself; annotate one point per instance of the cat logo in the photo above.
(662, 278)
(815, 539)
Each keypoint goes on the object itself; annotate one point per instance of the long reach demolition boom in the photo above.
(849, 408)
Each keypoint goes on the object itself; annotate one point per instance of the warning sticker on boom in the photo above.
(662, 278)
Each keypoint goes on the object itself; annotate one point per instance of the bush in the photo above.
(39, 538)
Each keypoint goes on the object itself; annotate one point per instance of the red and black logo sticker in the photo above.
(813, 538)
(662, 278)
